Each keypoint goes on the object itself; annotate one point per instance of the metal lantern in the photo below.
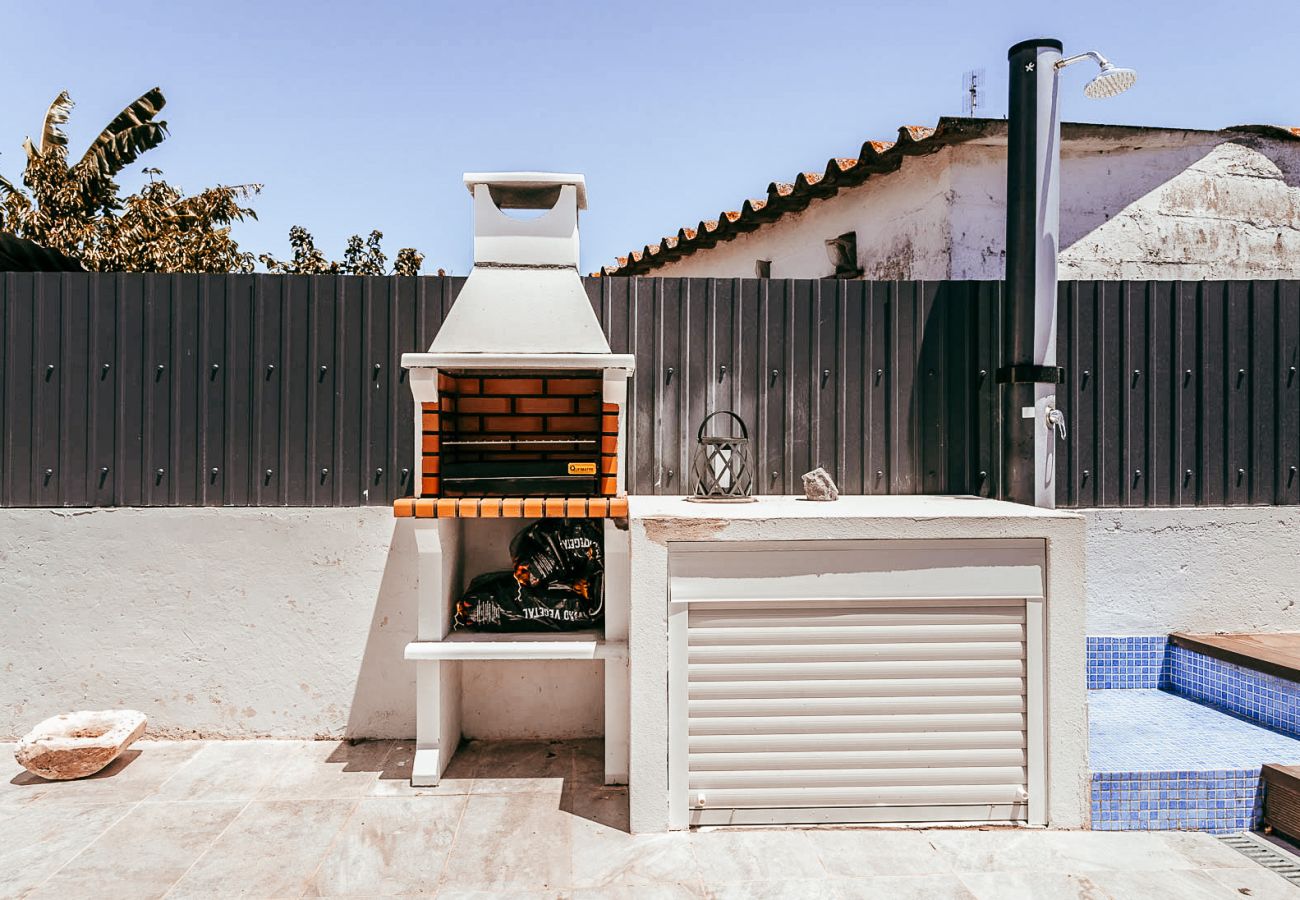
(721, 468)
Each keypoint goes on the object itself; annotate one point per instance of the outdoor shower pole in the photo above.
(1028, 376)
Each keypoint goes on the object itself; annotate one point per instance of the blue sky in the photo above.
(364, 115)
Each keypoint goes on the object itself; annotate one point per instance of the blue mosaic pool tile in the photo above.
(1258, 696)
(1219, 801)
(1126, 663)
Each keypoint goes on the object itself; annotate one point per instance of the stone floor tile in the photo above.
(605, 805)
(510, 842)
(389, 845)
(135, 775)
(801, 889)
(512, 895)
(991, 850)
(588, 760)
(1182, 884)
(505, 767)
(639, 892)
(143, 853)
(1090, 851)
(271, 849)
(903, 887)
(1025, 885)
(1204, 851)
(38, 839)
(228, 770)
(328, 770)
(756, 855)
(605, 857)
(395, 777)
(1255, 882)
(855, 853)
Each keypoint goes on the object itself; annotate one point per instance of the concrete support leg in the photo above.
(428, 766)
(617, 721)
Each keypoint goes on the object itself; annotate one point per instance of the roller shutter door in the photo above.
(850, 711)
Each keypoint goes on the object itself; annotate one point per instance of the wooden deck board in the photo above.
(1273, 653)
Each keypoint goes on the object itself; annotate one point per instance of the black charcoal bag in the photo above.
(498, 601)
(560, 550)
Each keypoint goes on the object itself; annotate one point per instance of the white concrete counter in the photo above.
(657, 523)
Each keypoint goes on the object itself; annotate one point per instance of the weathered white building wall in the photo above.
(897, 219)
(241, 623)
(1135, 204)
(291, 622)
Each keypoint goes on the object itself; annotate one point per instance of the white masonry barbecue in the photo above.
(519, 416)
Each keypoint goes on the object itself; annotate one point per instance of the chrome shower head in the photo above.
(1111, 80)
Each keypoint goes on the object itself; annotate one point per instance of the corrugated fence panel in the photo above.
(156, 390)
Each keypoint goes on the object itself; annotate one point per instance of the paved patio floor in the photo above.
(303, 818)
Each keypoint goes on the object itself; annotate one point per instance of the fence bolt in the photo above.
(405, 474)
(324, 472)
(48, 473)
(669, 377)
(826, 374)
(103, 370)
(1084, 479)
(160, 368)
(669, 476)
(103, 470)
(324, 369)
(268, 474)
(773, 478)
(379, 473)
(984, 374)
(879, 474)
(879, 372)
(1137, 373)
(214, 470)
(270, 368)
(1084, 380)
(49, 370)
(983, 476)
(722, 372)
(774, 374)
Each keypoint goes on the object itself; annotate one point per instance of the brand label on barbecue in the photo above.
(582, 468)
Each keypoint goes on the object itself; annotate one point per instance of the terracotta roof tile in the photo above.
(875, 158)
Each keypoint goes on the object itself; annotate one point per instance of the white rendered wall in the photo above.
(898, 219)
(1153, 571)
(240, 623)
(291, 623)
(1161, 205)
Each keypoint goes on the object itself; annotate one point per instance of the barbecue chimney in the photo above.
(519, 400)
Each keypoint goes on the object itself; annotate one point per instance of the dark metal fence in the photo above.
(190, 390)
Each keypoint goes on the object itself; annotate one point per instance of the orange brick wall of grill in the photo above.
(520, 405)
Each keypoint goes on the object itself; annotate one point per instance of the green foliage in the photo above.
(75, 208)
(359, 258)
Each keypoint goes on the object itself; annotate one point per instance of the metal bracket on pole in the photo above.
(1026, 373)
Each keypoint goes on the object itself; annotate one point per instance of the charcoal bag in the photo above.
(498, 601)
(560, 550)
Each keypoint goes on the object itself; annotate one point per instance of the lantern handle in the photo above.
(744, 432)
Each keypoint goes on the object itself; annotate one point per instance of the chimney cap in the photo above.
(527, 190)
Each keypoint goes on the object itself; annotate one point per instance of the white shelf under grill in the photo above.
(544, 645)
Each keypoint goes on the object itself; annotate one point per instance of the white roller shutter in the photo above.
(825, 711)
(873, 709)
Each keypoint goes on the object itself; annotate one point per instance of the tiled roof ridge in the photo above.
(875, 158)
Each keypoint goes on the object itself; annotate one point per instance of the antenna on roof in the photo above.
(972, 92)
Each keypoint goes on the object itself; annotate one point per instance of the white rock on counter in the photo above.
(78, 744)
(817, 485)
